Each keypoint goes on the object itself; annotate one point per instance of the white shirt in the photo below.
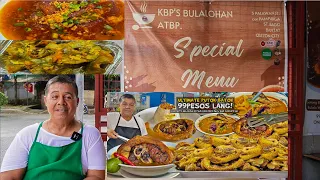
(93, 154)
(112, 120)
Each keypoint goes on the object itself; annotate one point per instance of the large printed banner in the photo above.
(201, 46)
(312, 109)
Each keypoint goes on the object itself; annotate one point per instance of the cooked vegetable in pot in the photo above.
(264, 105)
(57, 57)
(218, 124)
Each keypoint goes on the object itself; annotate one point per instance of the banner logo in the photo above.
(142, 19)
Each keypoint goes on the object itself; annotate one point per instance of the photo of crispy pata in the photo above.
(146, 151)
(174, 130)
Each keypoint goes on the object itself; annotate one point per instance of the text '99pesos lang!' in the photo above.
(205, 104)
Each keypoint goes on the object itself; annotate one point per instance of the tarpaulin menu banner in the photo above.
(312, 105)
(202, 46)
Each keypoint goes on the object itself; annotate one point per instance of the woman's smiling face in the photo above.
(61, 101)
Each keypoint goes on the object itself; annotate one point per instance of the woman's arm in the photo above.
(95, 175)
(16, 174)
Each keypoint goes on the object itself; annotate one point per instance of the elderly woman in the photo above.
(60, 147)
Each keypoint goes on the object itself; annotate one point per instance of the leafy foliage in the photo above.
(3, 99)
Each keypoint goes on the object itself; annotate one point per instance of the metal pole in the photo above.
(27, 91)
(80, 83)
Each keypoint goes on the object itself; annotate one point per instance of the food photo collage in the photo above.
(107, 89)
(51, 52)
(61, 37)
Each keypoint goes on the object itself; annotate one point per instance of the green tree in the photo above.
(3, 99)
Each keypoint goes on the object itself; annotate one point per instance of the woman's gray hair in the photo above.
(64, 80)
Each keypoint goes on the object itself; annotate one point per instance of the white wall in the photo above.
(22, 93)
(89, 97)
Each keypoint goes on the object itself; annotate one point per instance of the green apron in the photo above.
(47, 162)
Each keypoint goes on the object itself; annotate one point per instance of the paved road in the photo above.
(11, 124)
